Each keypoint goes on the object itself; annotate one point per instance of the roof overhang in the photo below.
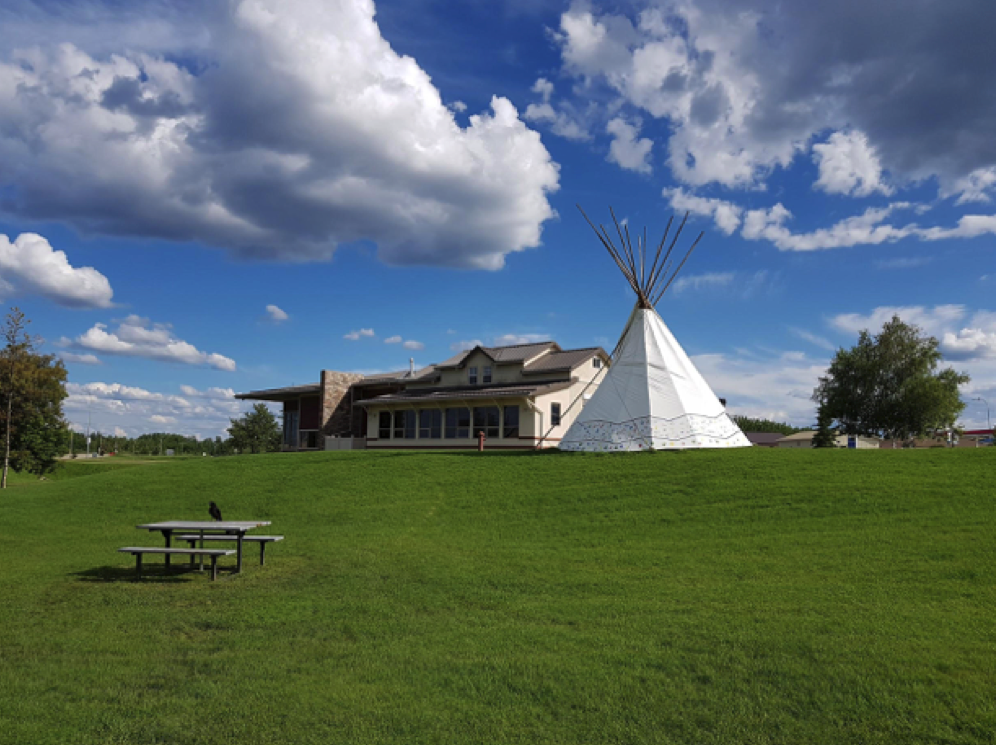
(281, 394)
(460, 395)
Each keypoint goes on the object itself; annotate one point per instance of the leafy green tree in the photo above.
(257, 431)
(747, 424)
(889, 385)
(825, 437)
(32, 388)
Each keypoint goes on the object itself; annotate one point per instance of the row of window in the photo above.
(455, 423)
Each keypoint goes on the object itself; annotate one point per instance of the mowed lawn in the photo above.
(754, 596)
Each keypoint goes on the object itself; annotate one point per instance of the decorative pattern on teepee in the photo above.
(651, 396)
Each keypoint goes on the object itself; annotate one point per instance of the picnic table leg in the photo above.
(202, 546)
(138, 566)
(214, 567)
(238, 560)
(262, 553)
(168, 535)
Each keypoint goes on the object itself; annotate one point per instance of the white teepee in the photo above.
(651, 396)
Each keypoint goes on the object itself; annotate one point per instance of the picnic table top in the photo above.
(233, 525)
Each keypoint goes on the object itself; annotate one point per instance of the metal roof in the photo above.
(435, 395)
(504, 355)
(279, 394)
(565, 360)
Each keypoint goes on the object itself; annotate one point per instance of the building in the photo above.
(763, 439)
(520, 396)
(970, 438)
(805, 440)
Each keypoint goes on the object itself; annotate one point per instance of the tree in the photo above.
(32, 387)
(748, 424)
(257, 431)
(889, 386)
(825, 437)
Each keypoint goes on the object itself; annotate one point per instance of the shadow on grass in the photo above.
(152, 573)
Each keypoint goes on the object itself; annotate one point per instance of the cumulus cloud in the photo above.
(30, 264)
(725, 214)
(131, 410)
(849, 165)
(746, 86)
(866, 228)
(627, 149)
(275, 314)
(932, 320)
(291, 128)
(392, 340)
(507, 340)
(412, 344)
(358, 334)
(138, 337)
(461, 346)
(974, 187)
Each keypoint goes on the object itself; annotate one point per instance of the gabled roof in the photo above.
(503, 355)
(565, 360)
(400, 376)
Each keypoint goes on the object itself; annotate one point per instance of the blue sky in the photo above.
(399, 179)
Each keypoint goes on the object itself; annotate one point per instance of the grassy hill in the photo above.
(756, 596)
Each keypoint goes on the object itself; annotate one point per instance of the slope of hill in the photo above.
(703, 597)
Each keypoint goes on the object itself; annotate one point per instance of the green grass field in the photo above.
(756, 596)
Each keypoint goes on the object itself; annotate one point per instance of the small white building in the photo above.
(805, 440)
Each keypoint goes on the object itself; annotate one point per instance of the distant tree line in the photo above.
(748, 424)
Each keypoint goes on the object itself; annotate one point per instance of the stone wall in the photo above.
(337, 414)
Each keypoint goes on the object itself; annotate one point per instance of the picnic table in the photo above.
(228, 527)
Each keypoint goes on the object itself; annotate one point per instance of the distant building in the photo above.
(764, 439)
(970, 438)
(520, 396)
(805, 440)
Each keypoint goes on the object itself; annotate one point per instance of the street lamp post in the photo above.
(989, 424)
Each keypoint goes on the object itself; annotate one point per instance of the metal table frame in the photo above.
(227, 527)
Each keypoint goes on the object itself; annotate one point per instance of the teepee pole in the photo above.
(670, 248)
(680, 265)
(660, 248)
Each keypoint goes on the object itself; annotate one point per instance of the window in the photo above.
(487, 375)
(404, 425)
(457, 423)
(486, 420)
(472, 376)
(596, 362)
(511, 429)
(554, 415)
(290, 428)
(430, 424)
(384, 430)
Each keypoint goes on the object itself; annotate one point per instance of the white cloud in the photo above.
(358, 334)
(507, 340)
(849, 165)
(725, 214)
(31, 265)
(276, 314)
(972, 188)
(138, 337)
(814, 339)
(932, 320)
(302, 129)
(81, 359)
(626, 150)
(462, 346)
(904, 262)
(701, 281)
(392, 340)
(129, 410)
(776, 387)
(561, 122)
(411, 344)
(544, 88)
(867, 228)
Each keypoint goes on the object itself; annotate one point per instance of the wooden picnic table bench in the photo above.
(236, 528)
(139, 551)
(262, 540)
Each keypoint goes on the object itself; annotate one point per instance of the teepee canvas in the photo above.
(651, 396)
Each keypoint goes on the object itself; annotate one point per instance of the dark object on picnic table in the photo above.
(215, 512)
